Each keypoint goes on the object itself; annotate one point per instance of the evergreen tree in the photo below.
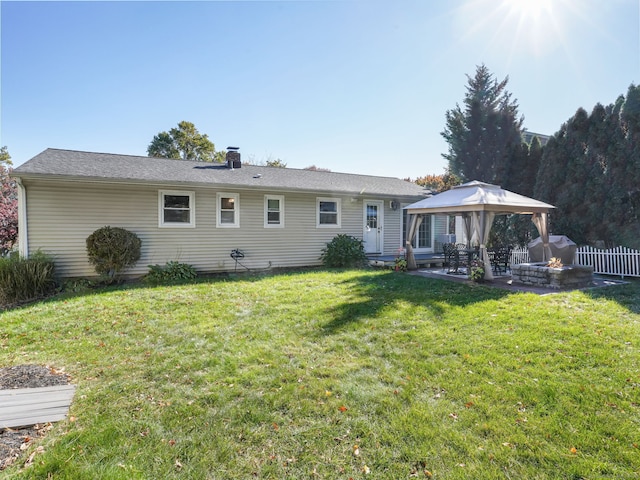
(571, 199)
(590, 170)
(628, 183)
(520, 178)
(595, 195)
(486, 134)
(550, 178)
(613, 164)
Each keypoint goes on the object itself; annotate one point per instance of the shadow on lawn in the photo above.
(377, 292)
(627, 295)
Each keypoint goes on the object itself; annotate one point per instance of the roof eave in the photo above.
(497, 209)
(229, 186)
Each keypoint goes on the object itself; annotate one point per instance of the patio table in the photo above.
(471, 254)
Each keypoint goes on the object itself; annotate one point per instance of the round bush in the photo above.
(344, 251)
(112, 249)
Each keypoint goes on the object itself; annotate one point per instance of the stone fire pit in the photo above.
(540, 275)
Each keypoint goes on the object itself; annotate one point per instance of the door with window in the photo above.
(373, 234)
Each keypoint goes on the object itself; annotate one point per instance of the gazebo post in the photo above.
(541, 221)
(416, 220)
(486, 220)
(466, 218)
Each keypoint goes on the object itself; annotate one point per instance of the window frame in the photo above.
(236, 210)
(192, 209)
(338, 212)
(280, 199)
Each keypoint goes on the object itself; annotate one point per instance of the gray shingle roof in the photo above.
(76, 165)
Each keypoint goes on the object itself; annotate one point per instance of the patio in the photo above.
(505, 282)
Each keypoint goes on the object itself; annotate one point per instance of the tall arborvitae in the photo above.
(590, 170)
(596, 169)
(571, 199)
(629, 179)
(530, 169)
(520, 173)
(483, 136)
(551, 175)
(615, 158)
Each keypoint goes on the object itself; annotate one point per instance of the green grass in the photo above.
(282, 376)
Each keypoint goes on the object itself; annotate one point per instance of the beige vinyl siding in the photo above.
(62, 215)
(392, 230)
(440, 223)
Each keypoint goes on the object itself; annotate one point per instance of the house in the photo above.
(527, 137)
(198, 213)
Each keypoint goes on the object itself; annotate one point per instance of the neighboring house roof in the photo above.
(527, 137)
(106, 167)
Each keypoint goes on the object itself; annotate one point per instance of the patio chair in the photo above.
(500, 259)
(451, 258)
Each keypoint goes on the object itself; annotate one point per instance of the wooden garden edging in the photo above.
(28, 406)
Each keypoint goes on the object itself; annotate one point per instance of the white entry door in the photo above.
(373, 218)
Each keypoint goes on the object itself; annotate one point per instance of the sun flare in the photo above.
(517, 27)
(529, 8)
(536, 25)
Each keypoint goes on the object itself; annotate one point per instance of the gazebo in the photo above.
(478, 203)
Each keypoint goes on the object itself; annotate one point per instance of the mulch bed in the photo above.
(13, 441)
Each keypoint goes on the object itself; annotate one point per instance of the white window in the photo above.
(328, 212)
(176, 209)
(228, 210)
(273, 211)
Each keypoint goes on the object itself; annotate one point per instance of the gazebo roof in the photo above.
(477, 196)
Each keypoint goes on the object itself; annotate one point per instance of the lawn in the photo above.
(337, 375)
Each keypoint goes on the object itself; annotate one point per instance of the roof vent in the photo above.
(233, 158)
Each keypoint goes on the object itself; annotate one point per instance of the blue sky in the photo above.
(356, 86)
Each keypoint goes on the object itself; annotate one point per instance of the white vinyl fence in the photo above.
(621, 261)
(519, 255)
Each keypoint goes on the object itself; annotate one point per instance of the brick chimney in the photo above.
(233, 158)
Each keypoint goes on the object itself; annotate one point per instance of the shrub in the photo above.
(344, 251)
(78, 285)
(476, 273)
(112, 249)
(171, 272)
(400, 262)
(25, 279)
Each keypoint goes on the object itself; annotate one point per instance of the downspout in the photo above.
(23, 234)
